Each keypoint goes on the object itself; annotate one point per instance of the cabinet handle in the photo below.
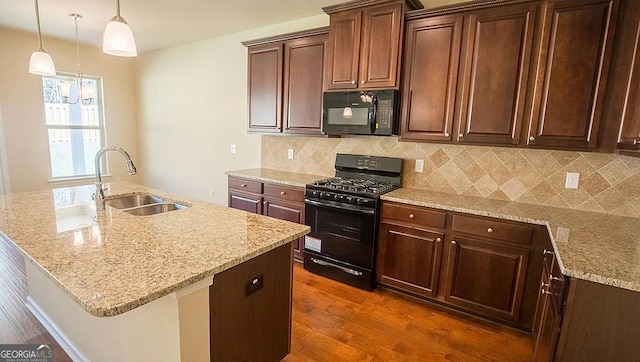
(264, 202)
(489, 230)
(635, 142)
(545, 291)
(353, 82)
(243, 185)
(531, 138)
(556, 279)
(460, 135)
(438, 240)
(545, 285)
(447, 134)
(412, 216)
(362, 82)
(453, 242)
(545, 252)
(282, 193)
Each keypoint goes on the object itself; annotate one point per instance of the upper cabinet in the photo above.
(468, 85)
(577, 41)
(364, 47)
(285, 81)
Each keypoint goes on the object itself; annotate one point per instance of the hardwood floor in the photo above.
(331, 322)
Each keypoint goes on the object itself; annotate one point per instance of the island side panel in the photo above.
(249, 322)
(194, 326)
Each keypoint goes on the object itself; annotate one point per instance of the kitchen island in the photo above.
(116, 286)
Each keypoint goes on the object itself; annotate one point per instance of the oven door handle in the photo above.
(346, 270)
(342, 207)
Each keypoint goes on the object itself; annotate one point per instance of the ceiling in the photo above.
(156, 24)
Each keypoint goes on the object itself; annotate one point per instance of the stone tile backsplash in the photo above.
(608, 183)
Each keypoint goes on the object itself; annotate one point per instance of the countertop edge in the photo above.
(243, 174)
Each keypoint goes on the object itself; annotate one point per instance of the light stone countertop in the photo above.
(276, 176)
(592, 246)
(115, 262)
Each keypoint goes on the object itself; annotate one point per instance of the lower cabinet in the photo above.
(274, 200)
(409, 259)
(476, 264)
(486, 277)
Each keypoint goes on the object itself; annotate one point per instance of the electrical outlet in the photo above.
(233, 149)
(573, 179)
(290, 154)
(212, 194)
(419, 165)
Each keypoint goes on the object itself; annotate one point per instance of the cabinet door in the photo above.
(547, 336)
(303, 64)
(288, 211)
(409, 259)
(496, 74)
(576, 45)
(486, 277)
(381, 45)
(629, 136)
(245, 201)
(343, 53)
(265, 88)
(430, 78)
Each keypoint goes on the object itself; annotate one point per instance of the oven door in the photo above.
(341, 232)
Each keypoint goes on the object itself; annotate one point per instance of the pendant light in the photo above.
(86, 92)
(117, 38)
(40, 62)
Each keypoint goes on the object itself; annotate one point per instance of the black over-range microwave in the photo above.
(361, 113)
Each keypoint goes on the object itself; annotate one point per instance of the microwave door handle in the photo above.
(373, 114)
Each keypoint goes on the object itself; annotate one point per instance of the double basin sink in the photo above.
(140, 204)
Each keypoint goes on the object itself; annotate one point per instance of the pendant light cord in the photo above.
(79, 74)
(39, 31)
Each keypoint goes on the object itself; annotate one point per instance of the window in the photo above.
(75, 126)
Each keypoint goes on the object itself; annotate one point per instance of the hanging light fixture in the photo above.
(117, 38)
(40, 62)
(86, 92)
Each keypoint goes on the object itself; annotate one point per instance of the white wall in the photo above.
(193, 106)
(22, 108)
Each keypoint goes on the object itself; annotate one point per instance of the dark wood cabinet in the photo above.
(486, 277)
(265, 88)
(572, 75)
(365, 44)
(274, 200)
(285, 82)
(430, 78)
(303, 82)
(546, 329)
(497, 59)
(409, 259)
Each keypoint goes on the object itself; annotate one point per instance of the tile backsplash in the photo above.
(608, 183)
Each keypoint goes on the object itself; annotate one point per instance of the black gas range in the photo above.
(343, 212)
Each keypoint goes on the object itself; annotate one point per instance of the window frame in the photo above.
(99, 96)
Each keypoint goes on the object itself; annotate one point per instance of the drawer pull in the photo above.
(545, 252)
(438, 240)
(489, 230)
(545, 285)
(545, 291)
(282, 193)
(453, 242)
(532, 138)
(243, 185)
(635, 142)
(556, 279)
(412, 216)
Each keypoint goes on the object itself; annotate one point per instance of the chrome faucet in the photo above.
(99, 197)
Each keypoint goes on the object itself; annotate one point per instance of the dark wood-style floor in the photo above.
(331, 322)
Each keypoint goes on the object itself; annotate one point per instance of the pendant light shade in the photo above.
(40, 62)
(117, 38)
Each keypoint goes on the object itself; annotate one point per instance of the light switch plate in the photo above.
(233, 149)
(573, 179)
(419, 165)
(290, 153)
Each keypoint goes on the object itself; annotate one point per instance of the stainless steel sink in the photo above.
(135, 200)
(154, 209)
(140, 204)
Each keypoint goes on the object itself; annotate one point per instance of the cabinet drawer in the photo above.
(415, 215)
(284, 192)
(492, 228)
(245, 185)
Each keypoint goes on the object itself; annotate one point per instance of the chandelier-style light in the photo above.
(40, 62)
(117, 38)
(86, 92)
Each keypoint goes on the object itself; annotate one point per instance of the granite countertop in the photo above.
(276, 176)
(592, 246)
(114, 262)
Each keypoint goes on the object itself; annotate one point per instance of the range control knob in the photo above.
(321, 195)
(350, 199)
(315, 193)
(336, 197)
(359, 201)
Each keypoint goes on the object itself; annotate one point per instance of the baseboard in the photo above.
(65, 343)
